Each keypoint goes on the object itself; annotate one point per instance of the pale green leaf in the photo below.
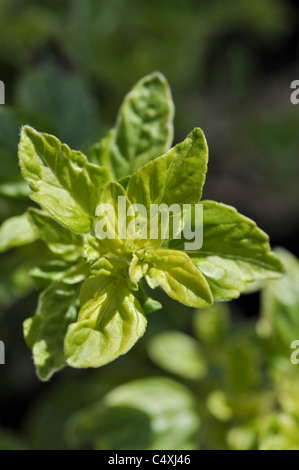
(63, 181)
(180, 279)
(174, 178)
(143, 130)
(218, 406)
(242, 438)
(59, 240)
(93, 248)
(144, 414)
(45, 331)
(178, 353)
(137, 269)
(234, 251)
(110, 322)
(17, 231)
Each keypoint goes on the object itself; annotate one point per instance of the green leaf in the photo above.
(109, 265)
(280, 306)
(148, 304)
(124, 182)
(218, 406)
(14, 280)
(175, 178)
(59, 271)
(16, 231)
(279, 432)
(93, 248)
(177, 353)
(45, 331)
(14, 267)
(137, 269)
(242, 438)
(49, 417)
(166, 402)
(211, 325)
(180, 279)
(144, 414)
(234, 251)
(242, 364)
(59, 240)
(143, 129)
(63, 181)
(110, 322)
(99, 153)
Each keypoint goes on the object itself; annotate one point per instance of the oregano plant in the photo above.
(94, 301)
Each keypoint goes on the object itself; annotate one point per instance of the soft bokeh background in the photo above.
(66, 66)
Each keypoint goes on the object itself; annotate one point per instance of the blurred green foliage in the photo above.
(71, 62)
(228, 386)
(66, 65)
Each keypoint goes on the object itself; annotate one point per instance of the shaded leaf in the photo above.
(59, 271)
(45, 331)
